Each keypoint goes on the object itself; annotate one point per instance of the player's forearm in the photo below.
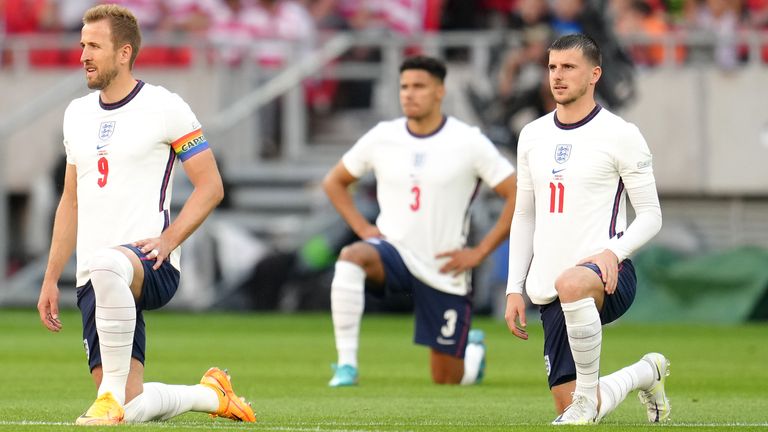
(63, 239)
(342, 201)
(647, 223)
(500, 230)
(199, 205)
(521, 242)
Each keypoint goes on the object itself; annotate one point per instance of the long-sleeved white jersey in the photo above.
(573, 180)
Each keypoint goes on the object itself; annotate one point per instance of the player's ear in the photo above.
(125, 53)
(597, 72)
(441, 90)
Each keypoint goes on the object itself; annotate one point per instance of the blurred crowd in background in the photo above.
(243, 21)
(270, 33)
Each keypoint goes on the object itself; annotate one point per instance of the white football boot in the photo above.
(654, 397)
(581, 411)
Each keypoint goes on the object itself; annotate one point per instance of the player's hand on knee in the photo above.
(514, 314)
(608, 263)
(369, 231)
(153, 249)
(460, 260)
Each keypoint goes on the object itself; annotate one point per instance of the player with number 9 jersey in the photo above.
(125, 154)
(121, 144)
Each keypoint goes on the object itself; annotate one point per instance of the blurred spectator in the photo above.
(24, 16)
(192, 16)
(403, 17)
(617, 84)
(150, 13)
(160, 20)
(230, 30)
(721, 19)
(67, 15)
(567, 16)
(756, 13)
(530, 13)
(521, 92)
(756, 16)
(407, 17)
(283, 29)
(635, 19)
(462, 15)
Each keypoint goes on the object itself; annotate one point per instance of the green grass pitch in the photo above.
(719, 377)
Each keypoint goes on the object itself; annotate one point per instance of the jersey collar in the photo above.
(434, 132)
(579, 123)
(124, 101)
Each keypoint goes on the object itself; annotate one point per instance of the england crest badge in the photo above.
(106, 129)
(562, 153)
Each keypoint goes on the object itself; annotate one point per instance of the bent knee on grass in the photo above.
(446, 369)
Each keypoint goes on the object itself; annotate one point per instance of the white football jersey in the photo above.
(124, 154)
(425, 185)
(578, 174)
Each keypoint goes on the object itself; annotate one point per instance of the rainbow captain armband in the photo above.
(190, 145)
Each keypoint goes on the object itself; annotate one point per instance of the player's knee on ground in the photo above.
(446, 369)
(112, 261)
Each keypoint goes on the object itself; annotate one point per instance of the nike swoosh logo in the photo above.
(99, 147)
(220, 388)
(658, 372)
(554, 171)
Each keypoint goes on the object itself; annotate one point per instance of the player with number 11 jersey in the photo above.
(579, 173)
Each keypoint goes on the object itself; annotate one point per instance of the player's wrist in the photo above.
(614, 254)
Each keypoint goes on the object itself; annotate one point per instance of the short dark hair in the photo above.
(580, 41)
(433, 66)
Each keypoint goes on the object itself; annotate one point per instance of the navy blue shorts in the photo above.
(558, 359)
(159, 287)
(442, 320)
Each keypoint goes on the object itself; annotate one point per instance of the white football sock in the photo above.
(347, 304)
(585, 335)
(111, 274)
(616, 386)
(164, 401)
(473, 357)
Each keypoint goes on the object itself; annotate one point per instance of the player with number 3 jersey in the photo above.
(428, 167)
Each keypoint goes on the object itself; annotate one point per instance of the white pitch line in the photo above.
(304, 427)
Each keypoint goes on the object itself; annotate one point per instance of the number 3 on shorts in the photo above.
(449, 328)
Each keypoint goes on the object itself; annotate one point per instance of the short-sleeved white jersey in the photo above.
(425, 185)
(124, 154)
(578, 174)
